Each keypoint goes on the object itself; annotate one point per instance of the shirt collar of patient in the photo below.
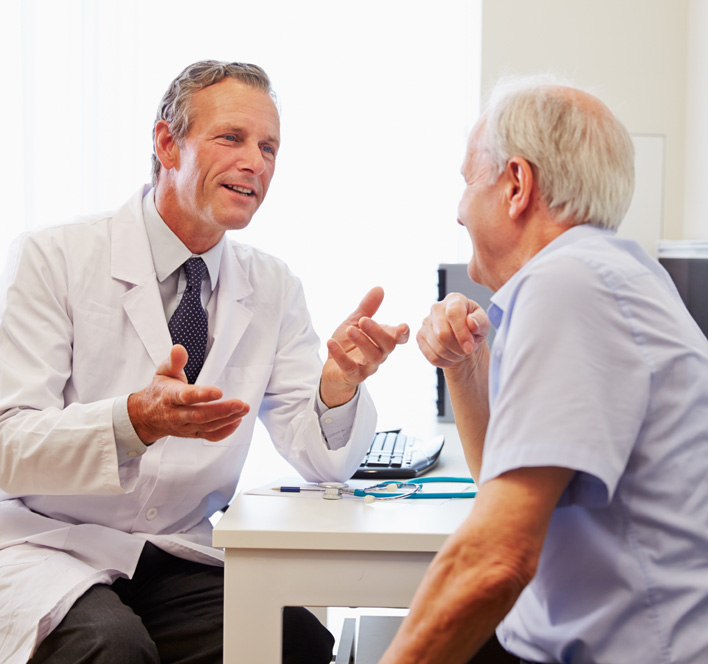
(501, 300)
(168, 251)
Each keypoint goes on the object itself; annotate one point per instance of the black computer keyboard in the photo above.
(394, 455)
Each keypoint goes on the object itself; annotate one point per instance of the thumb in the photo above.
(173, 365)
(478, 323)
(369, 305)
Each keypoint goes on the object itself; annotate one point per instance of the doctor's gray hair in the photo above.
(174, 106)
(581, 154)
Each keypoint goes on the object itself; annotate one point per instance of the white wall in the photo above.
(630, 53)
(696, 171)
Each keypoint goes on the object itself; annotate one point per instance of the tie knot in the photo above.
(194, 268)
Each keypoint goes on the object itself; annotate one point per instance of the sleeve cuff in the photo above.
(336, 423)
(128, 445)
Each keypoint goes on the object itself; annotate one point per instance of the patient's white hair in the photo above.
(581, 154)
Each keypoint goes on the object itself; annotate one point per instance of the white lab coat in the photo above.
(82, 322)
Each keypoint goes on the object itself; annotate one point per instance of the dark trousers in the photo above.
(493, 653)
(171, 611)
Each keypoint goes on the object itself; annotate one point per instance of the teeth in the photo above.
(240, 190)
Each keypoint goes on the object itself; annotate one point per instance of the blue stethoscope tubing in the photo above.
(362, 493)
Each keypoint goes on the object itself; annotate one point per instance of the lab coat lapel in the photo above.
(231, 316)
(131, 262)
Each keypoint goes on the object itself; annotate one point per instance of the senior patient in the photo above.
(587, 423)
(113, 458)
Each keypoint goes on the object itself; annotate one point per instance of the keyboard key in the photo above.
(393, 455)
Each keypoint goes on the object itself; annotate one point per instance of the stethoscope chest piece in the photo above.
(332, 490)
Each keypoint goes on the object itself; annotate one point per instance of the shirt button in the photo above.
(328, 420)
(132, 454)
(151, 513)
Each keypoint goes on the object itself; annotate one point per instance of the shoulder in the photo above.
(83, 230)
(592, 271)
(75, 239)
(257, 263)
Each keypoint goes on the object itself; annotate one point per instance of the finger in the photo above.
(220, 434)
(369, 305)
(221, 423)
(372, 352)
(430, 354)
(456, 315)
(347, 365)
(439, 337)
(385, 336)
(402, 334)
(188, 395)
(198, 421)
(205, 413)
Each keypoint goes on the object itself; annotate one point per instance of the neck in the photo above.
(539, 231)
(194, 235)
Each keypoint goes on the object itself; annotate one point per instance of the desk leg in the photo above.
(259, 582)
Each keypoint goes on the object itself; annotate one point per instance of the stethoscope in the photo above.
(387, 490)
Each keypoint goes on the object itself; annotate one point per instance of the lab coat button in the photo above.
(151, 513)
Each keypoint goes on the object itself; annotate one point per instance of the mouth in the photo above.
(243, 191)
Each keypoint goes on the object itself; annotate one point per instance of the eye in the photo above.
(230, 137)
(269, 149)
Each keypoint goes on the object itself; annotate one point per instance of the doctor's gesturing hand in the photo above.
(169, 406)
(356, 350)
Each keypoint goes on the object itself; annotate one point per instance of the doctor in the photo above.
(115, 446)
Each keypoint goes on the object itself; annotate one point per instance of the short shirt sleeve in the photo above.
(571, 381)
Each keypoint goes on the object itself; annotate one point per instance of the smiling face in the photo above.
(217, 177)
(481, 212)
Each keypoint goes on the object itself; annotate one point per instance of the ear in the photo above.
(520, 183)
(166, 147)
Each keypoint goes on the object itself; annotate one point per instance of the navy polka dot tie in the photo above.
(189, 323)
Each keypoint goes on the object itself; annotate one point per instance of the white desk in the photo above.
(297, 551)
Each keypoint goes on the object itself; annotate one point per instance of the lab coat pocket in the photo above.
(247, 383)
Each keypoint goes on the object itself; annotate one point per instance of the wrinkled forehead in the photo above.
(231, 100)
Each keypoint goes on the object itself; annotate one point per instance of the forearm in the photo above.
(467, 384)
(59, 451)
(334, 394)
(299, 433)
(481, 569)
(464, 595)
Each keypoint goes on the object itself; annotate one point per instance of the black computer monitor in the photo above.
(690, 274)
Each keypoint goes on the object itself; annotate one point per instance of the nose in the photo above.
(251, 159)
(461, 216)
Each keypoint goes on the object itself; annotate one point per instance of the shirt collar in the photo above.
(502, 298)
(169, 252)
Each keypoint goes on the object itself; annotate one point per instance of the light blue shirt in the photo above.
(168, 254)
(598, 367)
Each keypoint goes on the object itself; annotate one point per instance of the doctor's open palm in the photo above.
(169, 406)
